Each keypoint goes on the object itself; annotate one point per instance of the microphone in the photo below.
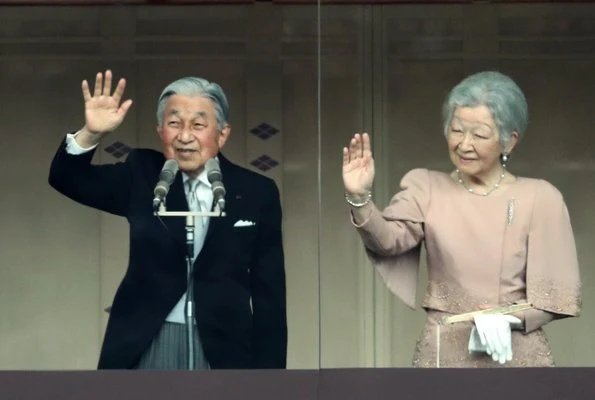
(215, 178)
(166, 178)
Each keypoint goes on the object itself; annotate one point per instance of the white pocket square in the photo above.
(241, 222)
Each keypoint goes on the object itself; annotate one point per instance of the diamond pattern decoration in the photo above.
(118, 149)
(264, 163)
(264, 131)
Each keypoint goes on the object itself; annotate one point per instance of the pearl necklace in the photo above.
(470, 190)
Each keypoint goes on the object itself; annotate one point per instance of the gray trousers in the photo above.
(169, 350)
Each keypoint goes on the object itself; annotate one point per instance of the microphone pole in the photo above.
(165, 180)
(189, 309)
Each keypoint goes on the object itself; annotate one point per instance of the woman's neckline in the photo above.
(507, 183)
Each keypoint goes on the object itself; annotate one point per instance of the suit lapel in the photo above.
(176, 201)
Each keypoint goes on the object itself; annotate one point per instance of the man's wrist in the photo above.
(86, 139)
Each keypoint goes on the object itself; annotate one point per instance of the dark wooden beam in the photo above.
(294, 2)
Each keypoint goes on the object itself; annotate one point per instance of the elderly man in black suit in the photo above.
(239, 275)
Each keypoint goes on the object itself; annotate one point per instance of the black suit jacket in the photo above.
(239, 277)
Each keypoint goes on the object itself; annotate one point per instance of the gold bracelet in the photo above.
(358, 205)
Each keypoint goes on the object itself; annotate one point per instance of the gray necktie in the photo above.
(194, 205)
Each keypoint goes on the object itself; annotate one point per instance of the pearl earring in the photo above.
(504, 159)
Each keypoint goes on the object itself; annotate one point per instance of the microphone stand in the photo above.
(189, 308)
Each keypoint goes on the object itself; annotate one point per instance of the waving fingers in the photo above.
(98, 84)
(119, 90)
(345, 156)
(355, 147)
(86, 92)
(107, 83)
(366, 146)
(103, 87)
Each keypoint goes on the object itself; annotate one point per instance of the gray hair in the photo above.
(196, 87)
(499, 93)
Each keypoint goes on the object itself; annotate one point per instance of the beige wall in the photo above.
(383, 69)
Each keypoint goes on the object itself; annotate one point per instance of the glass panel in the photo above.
(62, 262)
(346, 314)
(386, 69)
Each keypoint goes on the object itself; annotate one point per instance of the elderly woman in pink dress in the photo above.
(500, 249)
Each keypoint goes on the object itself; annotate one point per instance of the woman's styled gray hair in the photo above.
(196, 87)
(499, 93)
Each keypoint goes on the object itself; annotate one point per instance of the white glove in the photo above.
(492, 334)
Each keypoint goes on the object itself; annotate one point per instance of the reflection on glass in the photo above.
(386, 70)
(64, 264)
